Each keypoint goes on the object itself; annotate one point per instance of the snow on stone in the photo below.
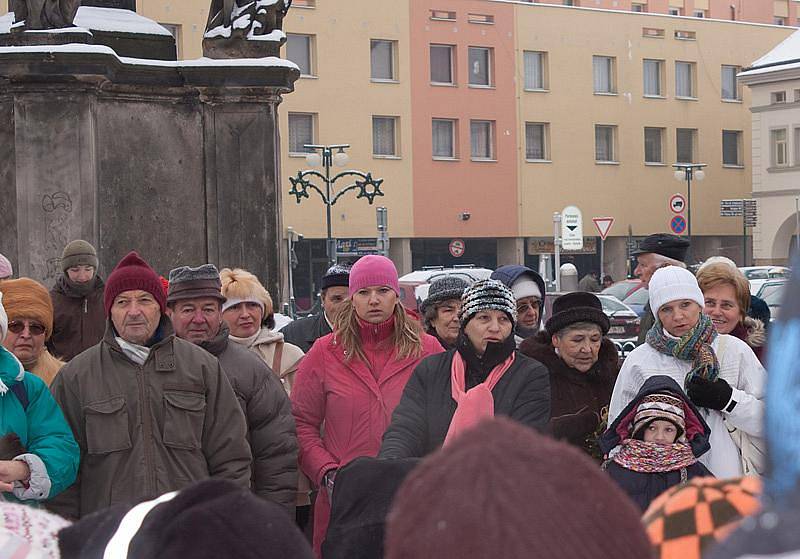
(114, 19)
(274, 36)
(219, 31)
(786, 51)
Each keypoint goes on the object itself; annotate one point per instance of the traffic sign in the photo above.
(678, 224)
(730, 208)
(603, 225)
(677, 203)
(571, 228)
(457, 248)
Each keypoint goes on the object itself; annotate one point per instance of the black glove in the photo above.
(713, 395)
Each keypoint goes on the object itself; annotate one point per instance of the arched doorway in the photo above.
(785, 242)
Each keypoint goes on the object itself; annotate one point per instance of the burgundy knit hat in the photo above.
(505, 491)
(130, 274)
(373, 270)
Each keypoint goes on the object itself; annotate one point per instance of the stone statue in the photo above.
(44, 14)
(243, 28)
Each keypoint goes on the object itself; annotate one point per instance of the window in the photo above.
(481, 134)
(442, 64)
(730, 89)
(485, 19)
(779, 20)
(732, 148)
(535, 70)
(779, 148)
(653, 78)
(796, 95)
(777, 97)
(536, 141)
(654, 145)
(797, 147)
(301, 132)
(604, 78)
(685, 140)
(304, 4)
(604, 138)
(684, 80)
(174, 30)
(480, 72)
(382, 60)
(699, 13)
(299, 49)
(683, 35)
(444, 138)
(638, 8)
(674, 11)
(443, 15)
(384, 136)
(653, 32)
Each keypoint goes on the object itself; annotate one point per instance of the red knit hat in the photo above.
(130, 274)
(373, 269)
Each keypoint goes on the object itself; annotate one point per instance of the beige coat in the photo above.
(265, 344)
(46, 367)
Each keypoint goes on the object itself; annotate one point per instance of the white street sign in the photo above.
(571, 228)
(603, 225)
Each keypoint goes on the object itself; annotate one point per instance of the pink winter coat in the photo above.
(355, 408)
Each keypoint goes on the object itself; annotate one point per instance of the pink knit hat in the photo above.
(6, 270)
(373, 270)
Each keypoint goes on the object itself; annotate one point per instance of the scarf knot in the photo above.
(694, 346)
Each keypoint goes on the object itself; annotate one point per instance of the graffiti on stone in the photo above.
(57, 209)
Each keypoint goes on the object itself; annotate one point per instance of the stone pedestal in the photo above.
(178, 160)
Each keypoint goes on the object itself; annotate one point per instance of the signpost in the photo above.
(457, 248)
(746, 209)
(603, 225)
(571, 228)
(677, 203)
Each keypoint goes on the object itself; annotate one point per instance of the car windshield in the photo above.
(775, 298)
(756, 274)
(769, 288)
(612, 305)
(619, 290)
(638, 297)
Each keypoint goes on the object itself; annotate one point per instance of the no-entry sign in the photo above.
(457, 248)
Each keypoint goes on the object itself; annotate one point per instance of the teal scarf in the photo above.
(694, 346)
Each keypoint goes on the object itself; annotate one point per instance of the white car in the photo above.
(414, 286)
(759, 275)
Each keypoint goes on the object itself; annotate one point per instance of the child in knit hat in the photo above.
(660, 436)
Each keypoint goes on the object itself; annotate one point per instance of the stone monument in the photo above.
(177, 159)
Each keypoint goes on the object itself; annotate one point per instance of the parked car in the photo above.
(637, 301)
(414, 285)
(759, 275)
(770, 286)
(623, 289)
(774, 293)
(624, 320)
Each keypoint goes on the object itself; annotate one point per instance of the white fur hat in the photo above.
(673, 283)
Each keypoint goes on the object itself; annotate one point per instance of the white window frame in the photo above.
(662, 133)
(638, 7)
(737, 90)
(692, 66)
(543, 70)
(674, 11)
(612, 148)
(311, 48)
(777, 97)
(489, 51)
(659, 72)
(779, 148)
(693, 134)
(453, 156)
(452, 50)
(545, 138)
(699, 13)
(302, 152)
(739, 164)
(601, 64)
(395, 154)
(486, 125)
(796, 139)
(392, 61)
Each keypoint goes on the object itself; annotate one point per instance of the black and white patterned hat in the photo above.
(488, 294)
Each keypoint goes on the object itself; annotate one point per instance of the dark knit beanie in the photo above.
(444, 289)
(78, 253)
(133, 273)
(208, 520)
(337, 275)
(578, 306)
(192, 283)
(503, 491)
(487, 295)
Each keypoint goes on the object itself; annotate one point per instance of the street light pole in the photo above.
(687, 172)
(367, 186)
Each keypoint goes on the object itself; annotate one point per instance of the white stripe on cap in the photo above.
(120, 542)
(231, 302)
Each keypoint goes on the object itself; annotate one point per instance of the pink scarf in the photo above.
(477, 402)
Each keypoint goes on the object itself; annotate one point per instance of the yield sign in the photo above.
(603, 225)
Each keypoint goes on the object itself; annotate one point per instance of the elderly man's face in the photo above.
(646, 266)
(196, 320)
(333, 299)
(135, 315)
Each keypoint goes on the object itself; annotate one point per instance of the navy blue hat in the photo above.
(664, 244)
(759, 309)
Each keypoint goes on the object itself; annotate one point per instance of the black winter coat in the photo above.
(643, 488)
(421, 419)
(305, 331)
(270, 424)
(79, 321)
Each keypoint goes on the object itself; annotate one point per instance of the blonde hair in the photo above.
(241, 284)
(721, 273)
(407, 335)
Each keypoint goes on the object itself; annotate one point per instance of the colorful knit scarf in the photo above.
(649, 458)
(694, 346)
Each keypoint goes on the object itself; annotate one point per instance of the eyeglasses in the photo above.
(525, 307)
(17, 327)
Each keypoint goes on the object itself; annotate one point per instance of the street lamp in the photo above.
(367, 186)
(687, 172)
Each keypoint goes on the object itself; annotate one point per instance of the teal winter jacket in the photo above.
(51, 451)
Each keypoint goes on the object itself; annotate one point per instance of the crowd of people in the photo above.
(149, 416)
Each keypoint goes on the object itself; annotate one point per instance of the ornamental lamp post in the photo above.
(687, 172)
(367, 186)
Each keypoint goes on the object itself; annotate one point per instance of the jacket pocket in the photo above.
(184, 414)
(107, 426)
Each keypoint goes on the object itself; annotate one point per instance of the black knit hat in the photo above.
(487, 294)
(444, 289)
(337, 275)
(578, 306)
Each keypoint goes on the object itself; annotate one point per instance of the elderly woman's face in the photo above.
(487, 326)
(722, 307)
(446, 322)
(579, 348)
(25, 339)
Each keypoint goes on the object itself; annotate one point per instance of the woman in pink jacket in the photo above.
(352, 379)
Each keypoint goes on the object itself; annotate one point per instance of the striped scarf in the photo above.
(694, 346)
(649, 458)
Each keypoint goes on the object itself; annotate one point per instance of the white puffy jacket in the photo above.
(738, 366)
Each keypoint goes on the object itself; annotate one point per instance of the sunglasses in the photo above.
(527, 306)
(17, 327)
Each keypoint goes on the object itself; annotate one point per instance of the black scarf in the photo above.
(478, 368)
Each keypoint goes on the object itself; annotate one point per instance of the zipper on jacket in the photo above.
(85, 305)
(147, 436)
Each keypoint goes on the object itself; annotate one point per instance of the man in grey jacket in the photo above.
(151, 413)
(194, 303)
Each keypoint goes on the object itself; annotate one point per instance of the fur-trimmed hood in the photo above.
(541, 348)
(756, 332)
